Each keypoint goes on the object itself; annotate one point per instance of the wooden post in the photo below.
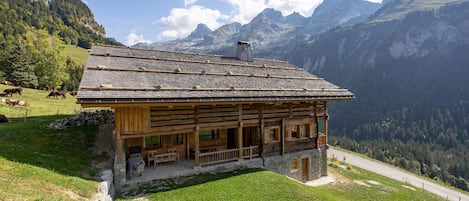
(196, 138)
(316, 122)
(119, 147)
(240, 131)
(196, 148)
(186, 140)
(261, 130)
(282, 136)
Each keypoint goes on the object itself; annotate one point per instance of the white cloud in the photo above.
(85, 1)
(182, 21)
(189, 2)
(133, 38)
(376, 1)
(245, 10)
(304, 7)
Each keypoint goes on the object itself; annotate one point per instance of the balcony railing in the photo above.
(227, 155)
(219, 156)
(250, 152)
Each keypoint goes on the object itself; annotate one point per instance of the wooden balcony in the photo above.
(227, 155)
(250, 152)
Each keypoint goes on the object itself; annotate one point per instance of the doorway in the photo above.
(231, 138)
(305, 169)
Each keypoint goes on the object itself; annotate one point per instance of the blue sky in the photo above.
(133, 21)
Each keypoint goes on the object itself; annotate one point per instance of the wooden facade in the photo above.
(263, 128)
(210, 109)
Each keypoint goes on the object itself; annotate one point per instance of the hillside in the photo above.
(257, 184)
(409, 75)
(72, 20)
(38, 163)
(33, 36)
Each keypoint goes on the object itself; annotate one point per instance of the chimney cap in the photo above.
(244, 51)
(243, 43)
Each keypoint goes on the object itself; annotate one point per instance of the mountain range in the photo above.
(270, 30)
(406, 60)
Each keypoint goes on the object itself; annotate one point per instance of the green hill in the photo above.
(77, 54)
(37, 163)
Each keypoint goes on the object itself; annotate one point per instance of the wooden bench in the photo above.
(166, 157)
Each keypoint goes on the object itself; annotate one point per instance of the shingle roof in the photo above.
(119, 74)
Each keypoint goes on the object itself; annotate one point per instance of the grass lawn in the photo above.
(78, 54)
(39, 104)
(266, 185)
(41, 163)
(37, 163)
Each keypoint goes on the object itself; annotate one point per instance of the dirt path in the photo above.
(397, 174)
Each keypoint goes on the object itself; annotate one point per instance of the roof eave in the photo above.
(114, 101)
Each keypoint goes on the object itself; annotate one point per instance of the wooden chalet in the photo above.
(211, 109)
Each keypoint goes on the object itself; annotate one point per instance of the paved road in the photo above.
(397, 174)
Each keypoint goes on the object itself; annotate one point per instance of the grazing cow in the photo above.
(11, 91)
(73, 93)
(57, 93)
(11, 102)
(3, 119)
(3, 95)
(4, 82)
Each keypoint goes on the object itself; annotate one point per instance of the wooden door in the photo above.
(305, 169)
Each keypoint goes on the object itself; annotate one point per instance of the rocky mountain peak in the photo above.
(200, 31)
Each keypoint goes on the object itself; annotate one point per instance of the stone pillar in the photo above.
(119, 166)
(323, 162)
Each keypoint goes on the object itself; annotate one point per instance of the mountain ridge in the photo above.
(269, 29)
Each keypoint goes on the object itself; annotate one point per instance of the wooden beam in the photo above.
(261, 129)
(282, 136)
(119, 147)
(196, 138)
(117, 122)
(240, 131)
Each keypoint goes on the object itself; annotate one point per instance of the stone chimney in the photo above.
(244, 51)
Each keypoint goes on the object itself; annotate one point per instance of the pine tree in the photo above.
(21, 68)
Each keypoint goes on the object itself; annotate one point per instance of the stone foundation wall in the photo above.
(282, 164)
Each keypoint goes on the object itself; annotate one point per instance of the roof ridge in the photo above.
(198, 61)
(198, 88)
(157, 50)
(178, 71)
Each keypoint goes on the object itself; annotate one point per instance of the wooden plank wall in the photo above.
(164, 120)
(132, 118)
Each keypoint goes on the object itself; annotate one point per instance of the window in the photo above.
(151, 141)
(208, 135)
(177, 139)
(275, 134)
(272, 134)
(321, 125)
(294, 166)
(303, 130)
(294, 131)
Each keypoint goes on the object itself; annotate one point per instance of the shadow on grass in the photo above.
(67, 151)
(163, 185)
